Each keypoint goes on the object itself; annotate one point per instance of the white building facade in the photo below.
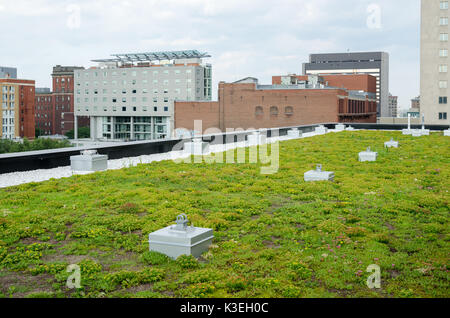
(434, 62)
(131, 97)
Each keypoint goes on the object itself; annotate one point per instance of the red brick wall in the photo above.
(26, 109)
(367, 83)
(44, 120)
(240, 102)
(187, 112)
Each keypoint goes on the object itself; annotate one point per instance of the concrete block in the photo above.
(407, 131)
(181, 239)
(368, 155)
(294, 133)
(321, 130)
(89, 160)
(318, 175)
(340, 127)
(416, 133)
(391, 144)
(447, 132)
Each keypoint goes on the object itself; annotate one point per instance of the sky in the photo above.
(257, 38)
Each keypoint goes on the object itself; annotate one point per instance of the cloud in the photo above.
(257, 38)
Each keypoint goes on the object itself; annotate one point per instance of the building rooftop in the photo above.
(154, 56)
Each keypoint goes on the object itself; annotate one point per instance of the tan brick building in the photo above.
(246, 104)
(17, 112)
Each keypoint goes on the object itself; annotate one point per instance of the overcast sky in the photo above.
(258, 38)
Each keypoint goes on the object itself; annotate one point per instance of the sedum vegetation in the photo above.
(275, 235)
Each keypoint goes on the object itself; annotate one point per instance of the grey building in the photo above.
(131, 96)
(372, 63)
(10, 72)
(434, 61)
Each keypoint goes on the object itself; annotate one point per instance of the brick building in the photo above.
(63, 95)
(17, 113)
(44, 106)
(355, 82)
(247, 104)
(54, 110)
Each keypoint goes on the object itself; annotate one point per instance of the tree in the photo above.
(83, 132)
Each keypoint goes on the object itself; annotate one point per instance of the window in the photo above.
(166, 82)
(133, 73)
(166, 109)
(274, 111)
(144, 108)
(155, 81)
(166, 71)
(124, 100)
(442, 116)
(155, 72)
(443, 37)
(114, 100)
(166, 99)
(155, 109)
(124, 109)
(144, 91)
(443, 21)
(442, 99)
(443, 53)
(289, 111)
(134, 109)
(444, 5)
(166, 91)
(442, 84)
(259, 111)
(155, 99)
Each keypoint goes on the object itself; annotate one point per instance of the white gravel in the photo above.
(17, 178)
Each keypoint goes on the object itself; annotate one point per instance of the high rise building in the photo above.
(8, 72)
(43, 111)
(131, 96)
(393, 105)
(63, 99)
(17, 113)
(434, 61)
(372, 63)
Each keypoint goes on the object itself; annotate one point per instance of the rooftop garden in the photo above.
(275, 235)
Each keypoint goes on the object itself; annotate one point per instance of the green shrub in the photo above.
(154, 258)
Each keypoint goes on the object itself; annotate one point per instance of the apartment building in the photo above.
(8, 72)
(371, 63)
(434, 61)
(393, 105)
(131, 96)
(17, 112)
(63, 98)
(43, 111)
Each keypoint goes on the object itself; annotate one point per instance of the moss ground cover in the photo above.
(275, 235)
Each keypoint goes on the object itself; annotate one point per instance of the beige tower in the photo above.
(434, 62)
